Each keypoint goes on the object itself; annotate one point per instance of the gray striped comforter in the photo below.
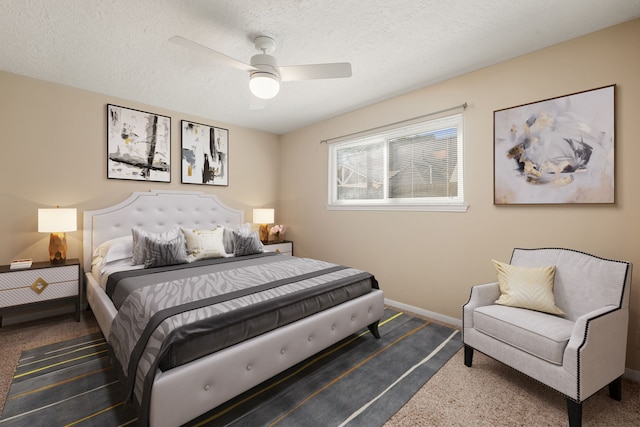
(158, 310)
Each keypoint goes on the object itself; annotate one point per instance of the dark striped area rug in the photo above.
(360, 381)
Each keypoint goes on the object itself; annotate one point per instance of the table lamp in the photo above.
(264, 217)
(57, 222)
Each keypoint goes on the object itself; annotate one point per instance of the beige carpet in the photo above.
(488, 394)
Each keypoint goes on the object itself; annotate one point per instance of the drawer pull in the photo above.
(39, 285)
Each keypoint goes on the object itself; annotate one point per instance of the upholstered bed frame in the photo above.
(183, 393)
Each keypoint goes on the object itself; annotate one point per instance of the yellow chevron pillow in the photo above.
(530, 288)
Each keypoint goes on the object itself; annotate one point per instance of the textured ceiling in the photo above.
(120, 47)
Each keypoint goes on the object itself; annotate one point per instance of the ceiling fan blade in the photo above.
(315, 71)
(221, 57)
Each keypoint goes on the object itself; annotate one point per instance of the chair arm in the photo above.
(481, 295)
(598, 344)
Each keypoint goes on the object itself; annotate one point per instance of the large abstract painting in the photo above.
(138, 145)
(559, 150)
(205, 154)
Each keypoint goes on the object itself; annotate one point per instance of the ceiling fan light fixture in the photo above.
(264, 73)
(264, 85)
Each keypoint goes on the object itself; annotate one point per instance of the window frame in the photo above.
(439, 204)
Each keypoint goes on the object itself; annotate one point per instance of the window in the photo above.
(417, 167)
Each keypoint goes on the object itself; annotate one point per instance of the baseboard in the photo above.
(426, 313)
(632, 375)
(628, 373)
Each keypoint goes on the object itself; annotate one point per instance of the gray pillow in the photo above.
(229, 239)
(247, 244)
(161, 251)
(139, 247)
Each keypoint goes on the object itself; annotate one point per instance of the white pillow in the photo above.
(119, 250)
(102, 249)
(113, 250)
(204, 243)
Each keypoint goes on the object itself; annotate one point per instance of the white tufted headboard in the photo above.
(155, 211)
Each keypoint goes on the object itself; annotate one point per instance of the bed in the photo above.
(187, 376)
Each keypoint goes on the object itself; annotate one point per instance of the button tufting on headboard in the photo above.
(156, 211)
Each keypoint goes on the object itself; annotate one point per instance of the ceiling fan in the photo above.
(265, 74)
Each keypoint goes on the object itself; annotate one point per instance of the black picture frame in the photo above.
(138, 145)
(556, 151)
(205, 154)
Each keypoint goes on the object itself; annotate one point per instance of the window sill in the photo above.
(458, 207)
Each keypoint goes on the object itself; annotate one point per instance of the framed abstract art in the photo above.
(205, 154)
(138, 145)
(556, 151)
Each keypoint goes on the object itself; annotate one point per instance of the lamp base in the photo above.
(263, 230)
(58, 248)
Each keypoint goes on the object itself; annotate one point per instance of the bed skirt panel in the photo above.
(187, 391)
(100, 304)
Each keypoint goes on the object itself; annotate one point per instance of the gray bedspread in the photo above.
(171, 316)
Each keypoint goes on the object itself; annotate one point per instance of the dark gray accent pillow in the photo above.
(139, 247)
(247, 244)
(162, 251)
(228, 240)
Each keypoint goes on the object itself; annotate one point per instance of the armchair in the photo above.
(576, 353)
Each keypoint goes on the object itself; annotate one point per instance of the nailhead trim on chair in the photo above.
(584, 339)
(586, 330)
(584, 253)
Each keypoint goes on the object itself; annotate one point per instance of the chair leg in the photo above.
(615, 389)
(574, 410)
(468, 355)
(373, 328)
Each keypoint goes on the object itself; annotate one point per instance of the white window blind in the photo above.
(412, 167)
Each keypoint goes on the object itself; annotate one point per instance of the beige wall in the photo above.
(430, 259)
(54, 153)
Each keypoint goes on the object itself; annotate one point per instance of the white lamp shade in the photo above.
(264, 85)
(263, 216)
(57, 220)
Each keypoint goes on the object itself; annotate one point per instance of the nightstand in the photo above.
(41, 286)
(285, 247)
